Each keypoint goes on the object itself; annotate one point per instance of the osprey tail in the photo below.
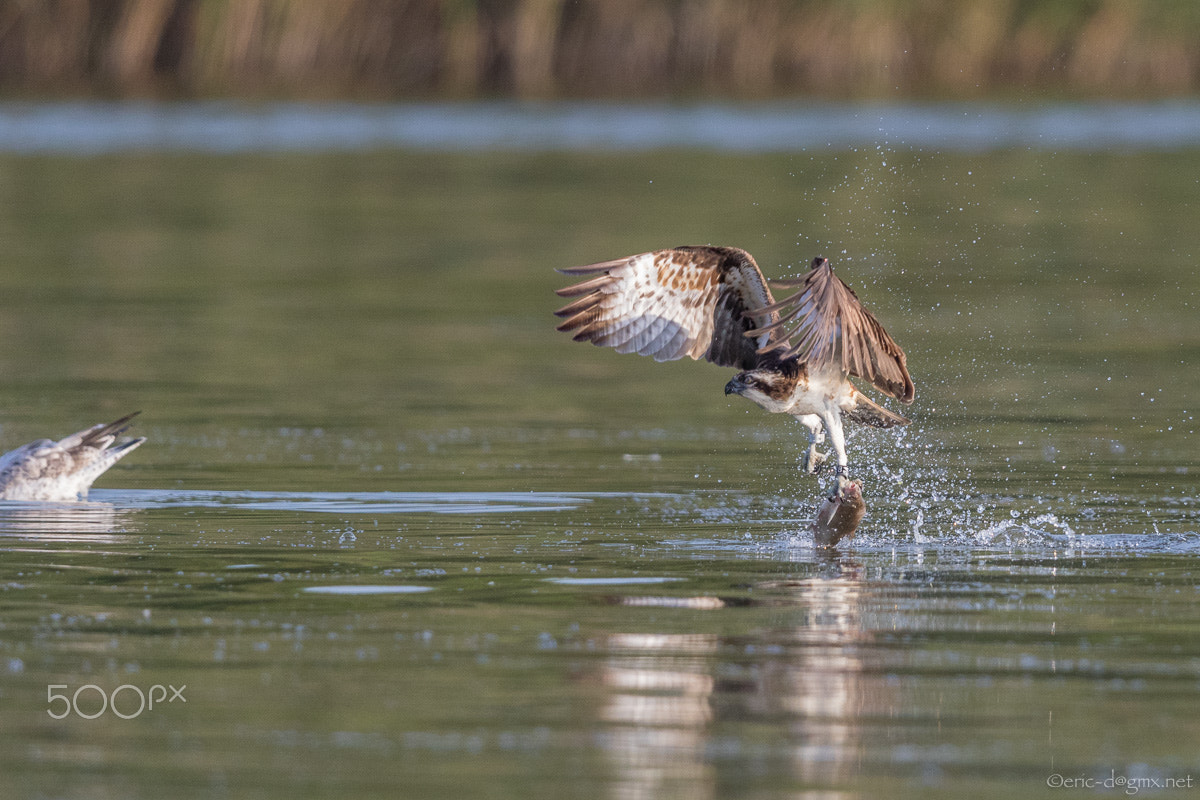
(867, 412)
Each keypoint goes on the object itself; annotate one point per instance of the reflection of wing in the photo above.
(63, 522)
(688, 301)
(824, 323)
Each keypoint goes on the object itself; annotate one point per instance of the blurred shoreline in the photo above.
(234, 126)
(549, 49)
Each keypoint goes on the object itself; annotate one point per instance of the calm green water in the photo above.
(398, 538)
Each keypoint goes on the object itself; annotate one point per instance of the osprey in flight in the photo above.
(63, 470)
(795, 355)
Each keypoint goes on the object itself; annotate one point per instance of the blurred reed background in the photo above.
(389, 49)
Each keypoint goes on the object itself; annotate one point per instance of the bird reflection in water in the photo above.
(85, 521)
(669, 695)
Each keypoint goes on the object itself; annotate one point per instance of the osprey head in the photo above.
(770, 389)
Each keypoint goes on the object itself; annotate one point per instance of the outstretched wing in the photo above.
(824, 323)
(687, 301)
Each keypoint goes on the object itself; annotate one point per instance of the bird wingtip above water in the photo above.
(48, 470)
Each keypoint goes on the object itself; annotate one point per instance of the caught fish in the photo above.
(839, 515)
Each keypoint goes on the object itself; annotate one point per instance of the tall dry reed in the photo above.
(554, 48)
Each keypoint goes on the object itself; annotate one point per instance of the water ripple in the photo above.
(354, 502)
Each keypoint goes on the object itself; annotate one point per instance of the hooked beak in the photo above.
(735, 386)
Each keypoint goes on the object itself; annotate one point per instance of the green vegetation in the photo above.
(637, 48)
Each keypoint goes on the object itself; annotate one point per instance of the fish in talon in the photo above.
(839, 514)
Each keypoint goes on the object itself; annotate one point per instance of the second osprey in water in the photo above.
(796, 355)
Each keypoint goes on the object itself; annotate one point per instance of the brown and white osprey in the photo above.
(795, 355)
(47, 470)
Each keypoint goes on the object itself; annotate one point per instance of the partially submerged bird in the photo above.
(796, 355)
(838, 516)
(64, 470)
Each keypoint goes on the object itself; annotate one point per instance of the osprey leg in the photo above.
(833, 421)
(816, 436)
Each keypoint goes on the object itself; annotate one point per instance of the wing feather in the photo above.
(63, 470)
(584, 287)
(667, 304)
(825, 324)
